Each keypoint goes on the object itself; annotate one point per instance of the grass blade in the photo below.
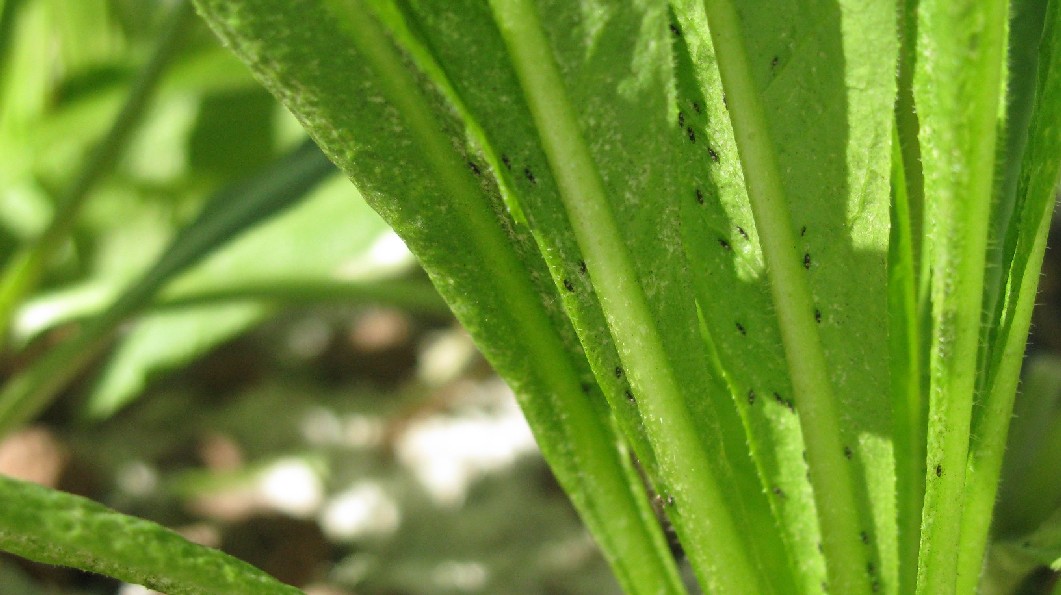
(56, 528)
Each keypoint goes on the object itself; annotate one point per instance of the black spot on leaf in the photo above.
(475, 168)
(675, 30)
(696, 107)
(691, 134)
(817, 316)
(699, 196)
(713, 154)
(681, 119)
(618, 372)
(723, 243)
(506, 161)
(848, 453)
(751, 397)
(806, 261)
(630, 396)
(740, 329)
(568, 286)
(742, 233)
(939, 470)
(864, 536)
(530, 175)
(803, 231)
(582, 267)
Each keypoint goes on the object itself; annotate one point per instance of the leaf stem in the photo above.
(715, 541)
(831, 476)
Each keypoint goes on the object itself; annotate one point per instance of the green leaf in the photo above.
(1040, 169)
(410, 157)
(327, 237)
(802, 266)
(229, 212)
(57, 528)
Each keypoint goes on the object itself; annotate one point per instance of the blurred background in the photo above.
(299, 396)
(272, 374)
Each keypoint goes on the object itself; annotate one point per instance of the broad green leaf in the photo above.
(395, 135)
(812, 279)
(490, 90)
(56, 528)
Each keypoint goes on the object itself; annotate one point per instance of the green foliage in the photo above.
(49, 526)
(726, 238)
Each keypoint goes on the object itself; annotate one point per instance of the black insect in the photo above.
(725, 102)
(742, 233)
(864, 536)
(939, 470)
(669, 500)
(806, 261)
(568, 286)
(699, 196)
(773, 63)
(803, 231)
(740, 329)
(817, 316)
(475, 168)
(870, 568)
(723, 243)
(506, 161)
(692, 135)
(696, 107)
(713, 154)
(618, 372)
(630, 396)
(751, 397)
(780, 400)
(681, 119)
(675, 30)
(582, 267)
(848, 453)
(791, 405)
(530, 175)
(779, 492)
(586, 387)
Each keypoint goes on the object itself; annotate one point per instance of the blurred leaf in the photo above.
(57, 528)
(329, 237)
(228, 214)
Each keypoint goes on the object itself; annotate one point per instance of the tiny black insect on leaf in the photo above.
(939, 470)
(806, 261)
(681, 119)
(582, 267)
(773, 63)
(568, 286)
(740, 329)
(779, 492)
(803, 231)
(864, 536)
(817, 316)
(696, 107)
(506, 161)
(870, 568)
(530, 175)
(618, 372)
(751, 397)
(723, 243)
(725, 102)
(742, 233)
(848, 453)
(675, 30)
(585, 387)
(713, 154)
(475, 168)
(780, 400)
(692, 135)
(630, 396)
(821, 550)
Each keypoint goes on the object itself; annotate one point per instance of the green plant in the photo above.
(783, 254)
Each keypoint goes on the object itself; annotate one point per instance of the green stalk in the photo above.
(961, 42)
(1039, 173)
(830, 473)
(909, 406)
(25, 269)
(713, 536)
